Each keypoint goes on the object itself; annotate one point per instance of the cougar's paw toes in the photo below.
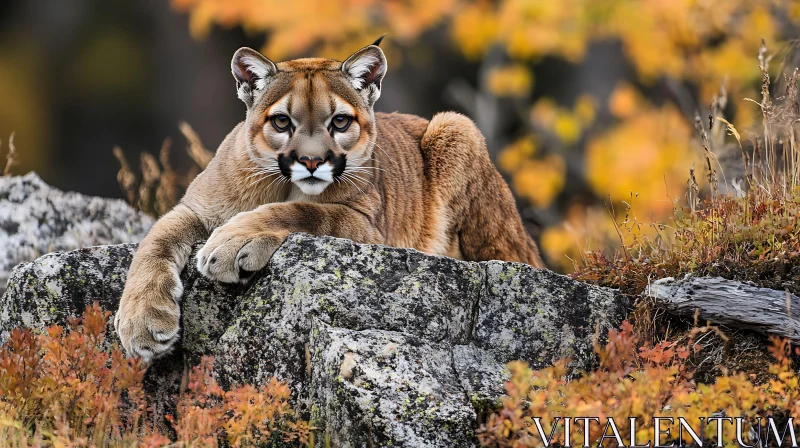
(234, 258)
(148, 332)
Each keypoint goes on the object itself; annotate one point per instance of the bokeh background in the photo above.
(589, 106)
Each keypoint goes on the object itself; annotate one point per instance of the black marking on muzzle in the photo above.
(285, 162)
(338, 164)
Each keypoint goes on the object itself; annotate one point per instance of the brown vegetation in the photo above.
(749, 234)
(637, 379)
(65, 388)
(667, 367)
(160, 186)
(12, 159)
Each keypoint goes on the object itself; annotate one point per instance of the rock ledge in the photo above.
(36, 218)
(381, 346)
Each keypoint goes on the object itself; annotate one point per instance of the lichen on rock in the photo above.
(36, 218)
(388, 388)
(381, 346)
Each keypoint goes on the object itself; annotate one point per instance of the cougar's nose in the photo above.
(311, 163)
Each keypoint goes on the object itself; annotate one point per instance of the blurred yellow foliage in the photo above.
(567, 128)
(794, 11)
(475, 29)
(696, 43)
(747, 113)
(660, 37)
(510, 80)
(674, 38)
(649, 154)
(567, 125)
(559, 241)
(585, 109)
(24, 104)
(544, 112)
(342, 25)
(540, 180)
(624, 100)
(584, 229)
(513, 155)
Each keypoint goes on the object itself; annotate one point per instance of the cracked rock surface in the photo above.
(381, 346)
(36, 218)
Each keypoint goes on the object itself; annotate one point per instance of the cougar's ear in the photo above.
(365, 69)
(252, 71)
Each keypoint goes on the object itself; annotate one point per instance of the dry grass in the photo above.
(744, 231)
(11, 156)
(159, 187)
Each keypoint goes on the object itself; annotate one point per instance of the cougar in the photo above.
(312, 156)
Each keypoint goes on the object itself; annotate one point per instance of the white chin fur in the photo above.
(323, 176)
(312, 189)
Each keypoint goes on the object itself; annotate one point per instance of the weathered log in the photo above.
(731, 303)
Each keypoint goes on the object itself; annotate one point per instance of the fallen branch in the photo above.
(731, 303)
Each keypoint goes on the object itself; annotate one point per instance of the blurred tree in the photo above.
(624, 148)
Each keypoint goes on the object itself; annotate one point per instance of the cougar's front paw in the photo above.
(235, 251)
(147, 321)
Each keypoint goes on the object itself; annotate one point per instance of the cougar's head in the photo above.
(310, 120)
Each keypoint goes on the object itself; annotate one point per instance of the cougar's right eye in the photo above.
(281, 123)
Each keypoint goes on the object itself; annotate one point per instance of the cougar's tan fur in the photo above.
(406, 182)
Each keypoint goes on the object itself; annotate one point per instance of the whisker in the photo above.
(258, 173)
(355, 177)
(268, 164)
(263, 172)
(276, 179)
(256, 181)
(361, 169)
(259, 168)
(345, 177)
(265, 160)
(375, 142)
(354, 184)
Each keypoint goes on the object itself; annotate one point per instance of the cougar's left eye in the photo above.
(341, 122)
(281, 123)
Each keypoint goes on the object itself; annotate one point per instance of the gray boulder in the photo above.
(36, 218)
(381, 346)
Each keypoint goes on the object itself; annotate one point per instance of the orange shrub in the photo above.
(64, 388)
(640, 381)
(246, 416)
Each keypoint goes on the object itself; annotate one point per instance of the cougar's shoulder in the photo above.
(398, 125)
